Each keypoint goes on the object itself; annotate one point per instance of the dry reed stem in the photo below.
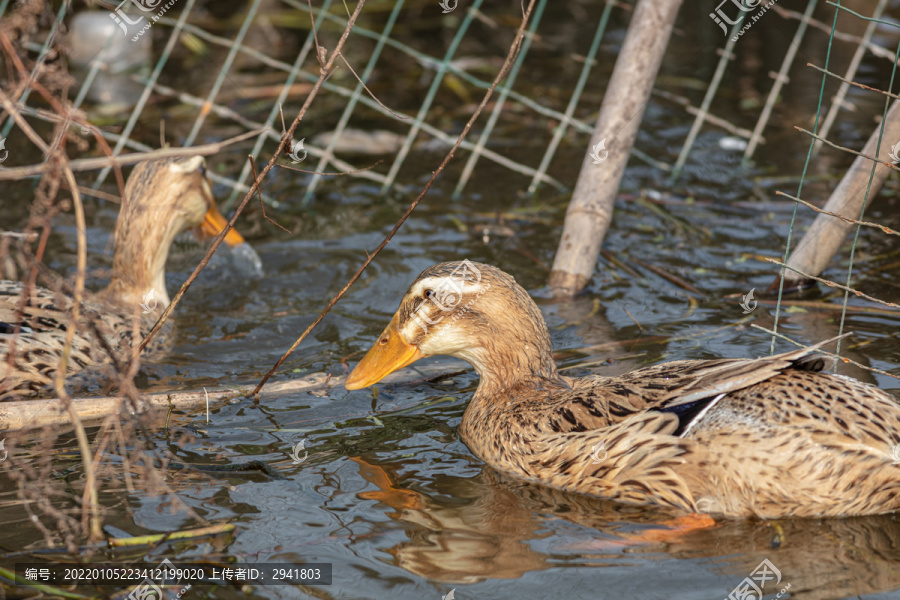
(57, 172)
(31, 413)
(90, 498)
(56, 159)
(89, 164)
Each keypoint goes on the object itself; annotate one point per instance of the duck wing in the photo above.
(37, 333)
(641, 462)
(44, 311)
(684, 388)
(712, 378)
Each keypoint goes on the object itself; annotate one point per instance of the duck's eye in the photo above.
(429, 293)
(383, 341)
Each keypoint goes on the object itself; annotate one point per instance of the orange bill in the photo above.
(390, 353)
(214, 223)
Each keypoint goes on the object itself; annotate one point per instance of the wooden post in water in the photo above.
(823, 239)
(590, 210)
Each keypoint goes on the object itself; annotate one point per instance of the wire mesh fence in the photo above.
(445, 70)
(259, 60)
(848, 204)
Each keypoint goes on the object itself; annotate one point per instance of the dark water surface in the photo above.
(389, 494)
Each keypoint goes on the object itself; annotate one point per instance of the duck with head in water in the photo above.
(162, 199)
(770, 437)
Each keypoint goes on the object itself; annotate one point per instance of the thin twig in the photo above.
(709, 117)
(851, 82)
(828, 30)
(672, 278)
(261, 205)
(30, 133)
(825, 352)
(90, 164)
(369, 168)
(850, 150)
(27, 237)
(86, 191)
(510, 57)
(90, 497)
(365, 87)
(832, 283)
(321, 52)
(883, 228)
(633, 319)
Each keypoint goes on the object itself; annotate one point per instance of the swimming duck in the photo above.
(770, 437)
(162, 199)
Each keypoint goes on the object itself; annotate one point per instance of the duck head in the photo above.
(162, 199)
(471, 311)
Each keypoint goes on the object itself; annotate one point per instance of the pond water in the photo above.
(388, 493)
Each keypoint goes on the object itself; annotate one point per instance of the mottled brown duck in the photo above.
(162, 199)
(770, 437)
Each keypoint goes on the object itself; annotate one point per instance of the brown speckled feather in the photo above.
(162, 198)
(104, 335)
(771, 437)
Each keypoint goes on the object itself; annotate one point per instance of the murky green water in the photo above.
(389, 494)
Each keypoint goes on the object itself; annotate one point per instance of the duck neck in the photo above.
(517, 360)
(510, 369)
(139, 260)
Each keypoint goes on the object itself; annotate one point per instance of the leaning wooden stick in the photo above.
(31, 414)
(859, 184)
(591, 207)
(510, 57)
